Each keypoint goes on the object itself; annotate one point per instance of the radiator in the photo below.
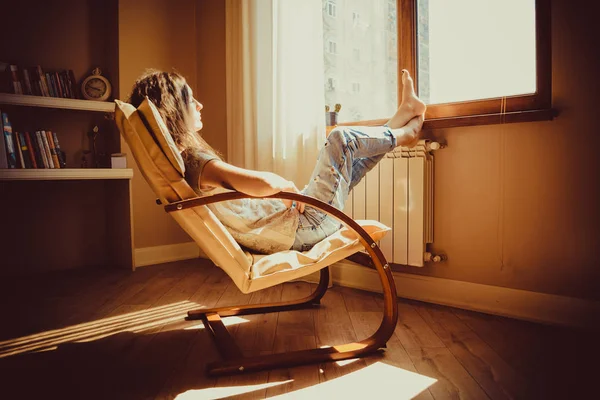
(398, 192)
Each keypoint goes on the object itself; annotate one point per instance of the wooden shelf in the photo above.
(64, 174)
(56, 102)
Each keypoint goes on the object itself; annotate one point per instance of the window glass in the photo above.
(362, 72)
(475, 49)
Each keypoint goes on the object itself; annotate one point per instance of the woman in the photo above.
(272, 225)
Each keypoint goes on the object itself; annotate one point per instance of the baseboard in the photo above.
(168, 253)
(514, 303)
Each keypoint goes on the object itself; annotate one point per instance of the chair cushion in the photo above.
(159, 129)
(269, 270)
(141, 129)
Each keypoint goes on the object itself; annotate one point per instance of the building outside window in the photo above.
(332, 47)
(331, 9)
(361, 49)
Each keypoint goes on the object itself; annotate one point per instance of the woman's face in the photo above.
(194, 107)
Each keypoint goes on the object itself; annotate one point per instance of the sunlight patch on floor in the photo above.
(227, 321)
(221, 392)
(135, 322)
(341, 363)
(369, 382)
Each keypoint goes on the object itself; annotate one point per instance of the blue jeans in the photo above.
(349, 153)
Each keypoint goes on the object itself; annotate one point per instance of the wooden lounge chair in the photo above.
(162, 166)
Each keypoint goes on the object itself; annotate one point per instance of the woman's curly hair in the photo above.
(169, 93)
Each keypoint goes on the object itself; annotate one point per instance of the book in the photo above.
(43, 83)
(54, 84)
(32, 157)
(64, 76)
(53, 153)
(27, 88)
(47, 149)
(29, 75)
(59, 83)
(73, 84)
(5, 78)
(42, 149)
(36, 82)
(50, 85)
(24, 151)
(60, 154)
(10, 144)
(3, 159)
(37, 151)
(18, 151)
(17, 86)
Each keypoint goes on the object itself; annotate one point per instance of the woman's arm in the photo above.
(255, 183)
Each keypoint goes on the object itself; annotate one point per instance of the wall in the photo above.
(210, 36)
(154, 34)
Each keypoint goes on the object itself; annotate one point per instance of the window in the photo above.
(332, 47)
(355, 19)
(363, 63)
(475, 60)
(330, 85)
(331, 9)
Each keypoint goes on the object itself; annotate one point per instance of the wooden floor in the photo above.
(119, 335)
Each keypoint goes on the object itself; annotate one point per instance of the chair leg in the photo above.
(310, 301)
(235, 363)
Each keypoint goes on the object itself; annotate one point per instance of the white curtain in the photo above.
(275, 96)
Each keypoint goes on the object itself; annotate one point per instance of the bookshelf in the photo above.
(56, 219)
(55, 102)
(65, 174)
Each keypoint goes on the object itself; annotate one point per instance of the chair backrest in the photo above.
(161, 165)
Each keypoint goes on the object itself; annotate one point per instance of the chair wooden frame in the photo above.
(234, 362)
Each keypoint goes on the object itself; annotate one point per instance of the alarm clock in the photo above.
(96, 87)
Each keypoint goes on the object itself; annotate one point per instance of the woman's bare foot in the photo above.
(410, 107)
(408, 135)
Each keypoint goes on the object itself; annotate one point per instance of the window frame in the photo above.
(520, 108)
(332, 44)
(355, 19)
(331, 9)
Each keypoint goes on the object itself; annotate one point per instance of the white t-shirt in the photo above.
(262, 225)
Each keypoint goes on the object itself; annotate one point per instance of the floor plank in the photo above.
(333, 326)
(498, 379)
(295, 331)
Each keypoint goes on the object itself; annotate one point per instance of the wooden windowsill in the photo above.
(491, 119)
(470, 120)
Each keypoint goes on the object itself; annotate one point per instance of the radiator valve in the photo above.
(430, 257)
(432, 145)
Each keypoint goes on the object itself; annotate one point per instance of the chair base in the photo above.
(234, 362)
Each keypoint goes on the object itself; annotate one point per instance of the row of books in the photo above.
(35, 81)
(39, 149)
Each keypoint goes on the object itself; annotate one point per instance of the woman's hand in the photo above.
(280, 184)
